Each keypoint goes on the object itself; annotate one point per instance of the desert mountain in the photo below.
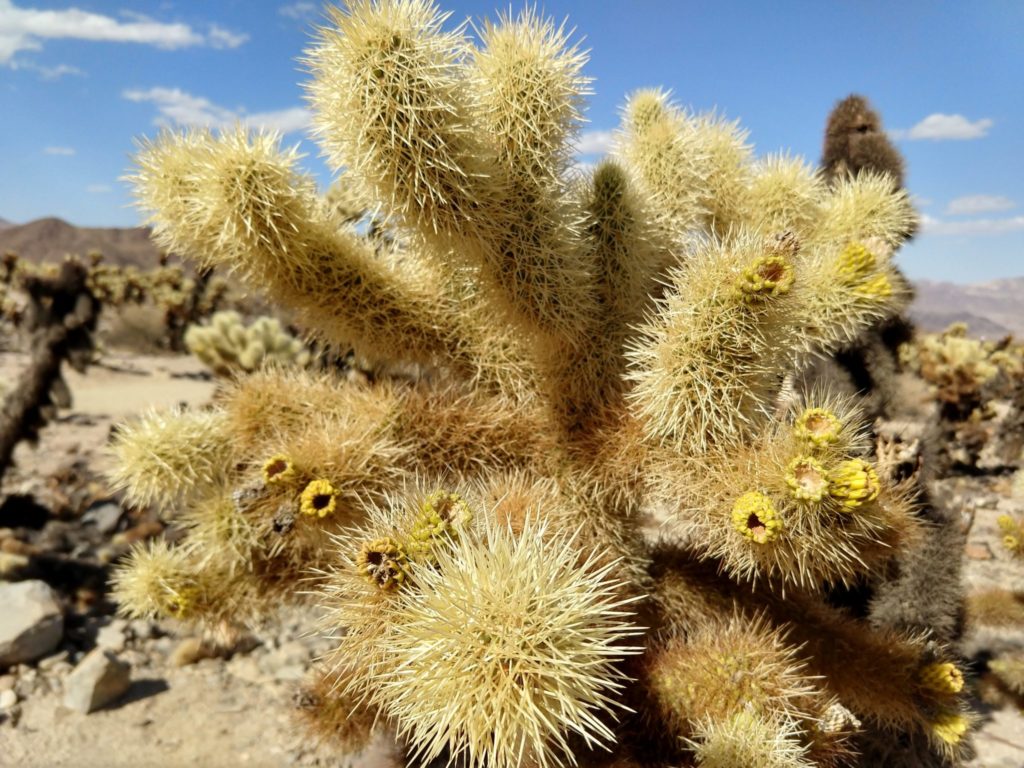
(990, 309)
(51, 239)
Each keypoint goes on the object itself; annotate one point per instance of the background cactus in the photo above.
(227, 345)
(601, 354)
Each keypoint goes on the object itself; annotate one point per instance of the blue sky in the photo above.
(79, 79)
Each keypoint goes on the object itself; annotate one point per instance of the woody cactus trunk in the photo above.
(600, 350)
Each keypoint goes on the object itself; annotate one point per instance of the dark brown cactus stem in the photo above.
(60, 320)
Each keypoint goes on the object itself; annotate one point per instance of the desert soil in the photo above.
(239, 710)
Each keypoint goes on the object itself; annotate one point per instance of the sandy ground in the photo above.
(239, 712)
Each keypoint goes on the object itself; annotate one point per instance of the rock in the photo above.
(7, 682)
(978, 551)
(53, 662)
(98, 680)
(31, 622)
(8, 699)
(111, 636)
(142, 629)
(105, 516)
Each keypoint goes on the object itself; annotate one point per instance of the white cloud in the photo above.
(595, 142)
(972, 204)
(940, 127)
(24, 29)
(99, 189)
(218, 37)
(46, 73)
(300, 10)
(934, 226)
(177, 107)
(66, 151)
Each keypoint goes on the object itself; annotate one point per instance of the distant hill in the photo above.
(4, 223)
(51, 239)
(990, 309)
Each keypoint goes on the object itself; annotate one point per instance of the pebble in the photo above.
(7, 682)
(98, 680)
(8, 699)
(111, 637)
(31, 621)
(105, 516)
(141, 629)
(978, 551)
(52, 662)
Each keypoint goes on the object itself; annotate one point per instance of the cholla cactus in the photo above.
(228, 346)
(600, 349)
(959, 367)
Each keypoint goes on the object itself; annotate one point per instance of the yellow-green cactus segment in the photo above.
(943, 678)
(382, 562)
(854, 482)
(442, 514)
(818, 426)
(807, 479)
(950, 727)
(856, 262)
(754, 515)
(278, 469)
(766, 277)
(319, 499)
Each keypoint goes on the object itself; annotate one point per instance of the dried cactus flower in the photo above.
(318, 499)
(382, 562)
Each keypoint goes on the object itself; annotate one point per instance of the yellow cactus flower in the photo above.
(318, 499)
(950, 727)
(767, 277)
(807, 479)
(382, 562)
(856, 262)
(442, 514)
(278, 469)
(878, 287)
(818, 426)
(854, 482)
(754, 515)
(943, 678)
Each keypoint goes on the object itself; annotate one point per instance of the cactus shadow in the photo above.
(141, 689)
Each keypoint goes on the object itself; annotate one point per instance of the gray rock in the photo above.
(111, 637)
(8, 699)
(31, 622)
(99, 679)
(105, 516)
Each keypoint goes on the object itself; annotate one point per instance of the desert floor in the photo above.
(239, 710)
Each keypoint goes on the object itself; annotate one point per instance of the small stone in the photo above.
(98, 680)
(978, 551)
(111, 637)
(51, 662)
(8, 699)
(31, 621)
(105, 516)
(7, 682)
(141, 629)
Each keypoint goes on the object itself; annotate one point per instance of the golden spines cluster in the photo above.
(237, 201)
(486, 635)
(800, 504)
